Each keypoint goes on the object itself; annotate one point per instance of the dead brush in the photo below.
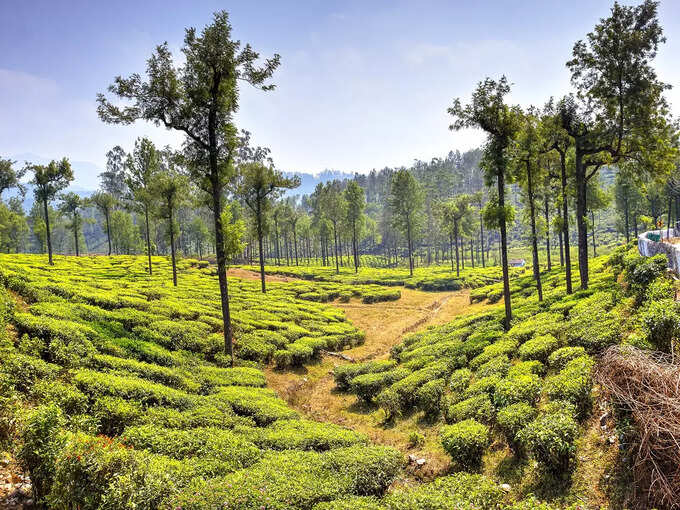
(647, 384)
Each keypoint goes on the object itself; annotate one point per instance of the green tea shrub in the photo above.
(592, 324)
(478, 407)
(296, 480)
(485, 385)
(538, 348)
(526, 368)
(301, 435)
(429, 396)
(559, 358)
(512, 419)
(661, 323)
(545, 323)
(98, 384)
(42, 444)
(500, 348)
(343, 374)
(416, 439)
(69, 399)
(283, 359)
(102, 473)
(641, 271)
(261, 404)
(496, 366)
(520, 388)
(115, 413)
(459, 381)
(351, 503)
(465, 442)
(460, 491)
(22, 371)
(573, 384)
(661, 288)
(232, 450)
(550, 439)
(368, 386)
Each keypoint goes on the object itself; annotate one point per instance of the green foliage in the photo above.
(573, 384)
(550, 439)
(559, 358)
(465, 442)
(661, 323)
(518, 388)
(538, 348)
(512, 419)
(478, 407)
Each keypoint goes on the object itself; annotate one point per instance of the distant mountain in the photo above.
(309, 181)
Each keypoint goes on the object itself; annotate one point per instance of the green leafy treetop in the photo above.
(405, 202)
(105, 202)
(198, 98)
(10, 177)
(487, 110)
(619, 111)
(70, 204)
(171, 188)
(48, 180)
(257, 184)
(356, 203)
(141, 167)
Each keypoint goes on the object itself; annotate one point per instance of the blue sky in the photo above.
(362, 84)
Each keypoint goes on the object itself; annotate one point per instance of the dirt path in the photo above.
(252, 275)
(311, 390)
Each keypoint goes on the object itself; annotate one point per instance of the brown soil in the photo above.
(15, 487)
(245, 274)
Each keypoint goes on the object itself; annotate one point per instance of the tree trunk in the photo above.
(75, 233)
(455, 235)
(148, 238)
(408, 242)
(451, 249)
(592, 218)
(296, 247)
(625, 215)
(472, 253)
(547, 233)
(335, 245)
(221, 257)
(172, 247)
(582, 228)
(565, 222)
(47, 232)
(481, 236)
(108, 229)
(354, 246)
(559, 237)
(260, 235)
(504, 249)
(534, 237)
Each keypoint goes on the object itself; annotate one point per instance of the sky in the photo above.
(362, 84)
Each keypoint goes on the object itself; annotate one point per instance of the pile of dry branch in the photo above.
(648, 385)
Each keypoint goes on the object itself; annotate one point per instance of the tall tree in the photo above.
(257, 184)
(454, 211)
(141, 167)
(71, 203)
(48, 181)
(105, 202)
(559, 141)
(526, 153)
(172, 188)
(619, 110)
(113, 178)
(198, 98)
(356, 203)
(334, 208)
(406, 202)
(501, 122)
(10, 177)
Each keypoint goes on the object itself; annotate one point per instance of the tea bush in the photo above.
(465, 442)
